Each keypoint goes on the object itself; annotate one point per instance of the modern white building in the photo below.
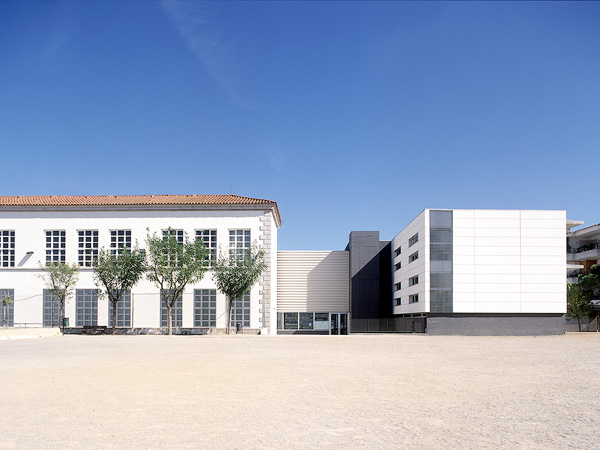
(482, 271)
(34, 229)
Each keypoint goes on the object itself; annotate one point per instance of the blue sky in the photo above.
(352, 116)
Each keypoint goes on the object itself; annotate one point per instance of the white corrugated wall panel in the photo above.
(313, 281)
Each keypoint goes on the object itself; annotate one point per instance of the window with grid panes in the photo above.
(176, 313)
(9, 320)
(209, 237)
(56, 246)
(205, 307)
(123, 310)
(119, 240)
(240, 311)
(239, 242)
(413, 280)
(86, 307)
(7, 248)
(88, 247)
(51, 309)
(177, 233)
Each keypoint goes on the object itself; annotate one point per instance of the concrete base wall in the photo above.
(496, 324)
(161, 331)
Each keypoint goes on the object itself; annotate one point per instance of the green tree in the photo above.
(173, 264)
(590, 283)
(579, 305)
(6, 300)
(117, 271)
(236, 273)
(60, 279)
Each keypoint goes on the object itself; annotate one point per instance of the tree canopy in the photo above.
(117, 271)
(173, 262)
(60, 279)
(235, 273)
(579, 304)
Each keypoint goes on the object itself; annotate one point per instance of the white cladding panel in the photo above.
(509, 261)
(313, 281)
(30, 227)
(410, 269)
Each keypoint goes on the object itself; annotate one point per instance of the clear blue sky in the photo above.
(352, 116)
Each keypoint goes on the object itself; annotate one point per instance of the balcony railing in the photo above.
(585, 248)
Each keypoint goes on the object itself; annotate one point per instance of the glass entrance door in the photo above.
(339, 323)
(335, 329)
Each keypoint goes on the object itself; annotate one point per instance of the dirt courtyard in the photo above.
(369, 391)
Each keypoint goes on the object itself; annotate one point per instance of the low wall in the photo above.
(495, 324)
(162, 331)
(27, 333)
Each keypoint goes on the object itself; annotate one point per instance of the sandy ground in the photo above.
(370, 391)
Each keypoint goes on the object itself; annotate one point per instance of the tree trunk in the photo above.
(114, 318)
(169, 322)
(4, 314)
(229, 323)
(61, 314)
(579, 323)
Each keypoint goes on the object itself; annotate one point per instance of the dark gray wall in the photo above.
(370, 275)
(495, 324)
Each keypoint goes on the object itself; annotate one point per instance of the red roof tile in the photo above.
(119, 200)
(133, 200)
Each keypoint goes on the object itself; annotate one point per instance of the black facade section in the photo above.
(440, 257)
(370, 276)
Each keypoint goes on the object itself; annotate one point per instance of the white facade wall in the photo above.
(30, 227)
(313, 281)
(504, 261)
(509, 261)
(419, 267)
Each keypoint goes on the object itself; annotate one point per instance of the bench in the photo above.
(93, 329)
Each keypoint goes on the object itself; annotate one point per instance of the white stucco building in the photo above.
(71, 229)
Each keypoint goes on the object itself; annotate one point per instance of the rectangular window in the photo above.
(176, 313)
(321, 321)
(51, 309)
(56, 246)
(413, 298)
(413, 240)
(306, 321)
(88, 247)
(240, 312)
(290, 321)
(86, 307)
(239, 242)
(210, 241)
(205, 307)
(413, 257)
(280, 321)
(398, 266)
(397, 301)
(398, 286)
(9, 320)
(119, 240)
(123, 310)
(7, 248)
(413, 280)
(398, 251)
(177, 233)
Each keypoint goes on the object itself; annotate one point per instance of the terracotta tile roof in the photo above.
(125, 200)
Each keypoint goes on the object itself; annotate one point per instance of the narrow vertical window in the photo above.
(56, 246)
(205, 307)
(88, 247)
(239, 243)
(7, 248)
(119, 240)
(209, 237)
(86, 307)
